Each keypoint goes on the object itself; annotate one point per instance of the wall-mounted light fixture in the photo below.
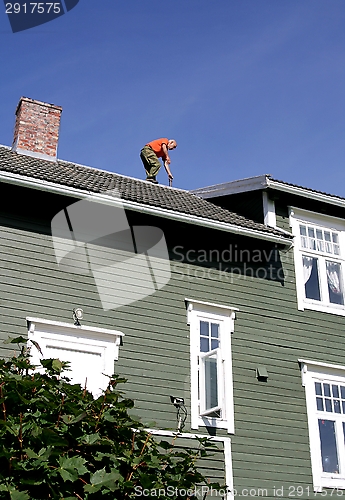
(77, 316)
(181, 412)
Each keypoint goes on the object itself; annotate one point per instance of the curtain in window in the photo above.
(333, 277)
(307, 267)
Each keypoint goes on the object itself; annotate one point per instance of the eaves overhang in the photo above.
(51, 187)
(305, 193)
(263, 182)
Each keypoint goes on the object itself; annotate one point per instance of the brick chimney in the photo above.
(36, 132)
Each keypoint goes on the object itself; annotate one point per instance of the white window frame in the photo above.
(224, 316)
(313, 371)
(66, 336)
(298, 217)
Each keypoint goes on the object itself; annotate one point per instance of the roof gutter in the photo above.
(138, 207)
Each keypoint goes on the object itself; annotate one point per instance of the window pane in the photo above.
(303, 232)
(211, 389)
(318, 389)
(336, 247)
(319, 236)
(342, 392)
(336, 404)
(311, 234)
(204, 328)
(214, 330)
(328, 403)
(311, 278)
(328, 242)
(327, 390)
(319, 404)
(334, 281)
(214, 344)
(329, 453)
(335, 391)
(204, 344)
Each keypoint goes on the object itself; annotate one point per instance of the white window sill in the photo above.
(327, 308)
(330, 481)
(217, 423)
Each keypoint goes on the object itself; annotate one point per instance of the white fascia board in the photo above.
(306, 193)
(264, 182)
(233, 187)
(72, 327)
(138, 207)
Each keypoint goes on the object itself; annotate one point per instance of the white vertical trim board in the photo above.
(269, 210)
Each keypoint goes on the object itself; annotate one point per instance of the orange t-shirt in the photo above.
(156, 146)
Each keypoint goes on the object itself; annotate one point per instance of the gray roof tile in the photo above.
(98, 181)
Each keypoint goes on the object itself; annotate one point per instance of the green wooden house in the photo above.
(223, 307)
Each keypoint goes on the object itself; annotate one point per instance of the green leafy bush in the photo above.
(58, 442)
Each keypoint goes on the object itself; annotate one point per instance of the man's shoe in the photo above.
(150, 179)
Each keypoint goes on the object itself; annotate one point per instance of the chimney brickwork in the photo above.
(36, 130)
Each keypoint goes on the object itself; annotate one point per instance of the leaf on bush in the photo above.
(16, 340)
(78, 418)
(54, 365)
(30, 453)
(15, 494)
(90, 438)
(77, 463)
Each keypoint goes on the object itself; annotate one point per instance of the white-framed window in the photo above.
(91, 351)
(319, 253)
(211, 326)
(325, 397)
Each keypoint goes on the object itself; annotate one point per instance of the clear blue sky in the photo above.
(246, 87)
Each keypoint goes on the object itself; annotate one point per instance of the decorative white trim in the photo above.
(73, 328)
(225, 317)
(72, 343)
(227, 453)
(208, 307)
(139, 207)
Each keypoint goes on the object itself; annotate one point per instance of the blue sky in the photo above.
(246, 87)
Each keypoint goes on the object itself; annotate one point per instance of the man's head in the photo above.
(172, 144)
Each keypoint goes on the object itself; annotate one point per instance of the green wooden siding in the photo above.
(270, 446)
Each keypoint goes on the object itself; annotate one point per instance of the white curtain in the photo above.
(333, 277)
(307, 267)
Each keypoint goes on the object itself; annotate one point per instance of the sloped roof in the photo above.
(92, 180)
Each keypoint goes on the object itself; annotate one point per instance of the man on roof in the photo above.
(150, 155)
